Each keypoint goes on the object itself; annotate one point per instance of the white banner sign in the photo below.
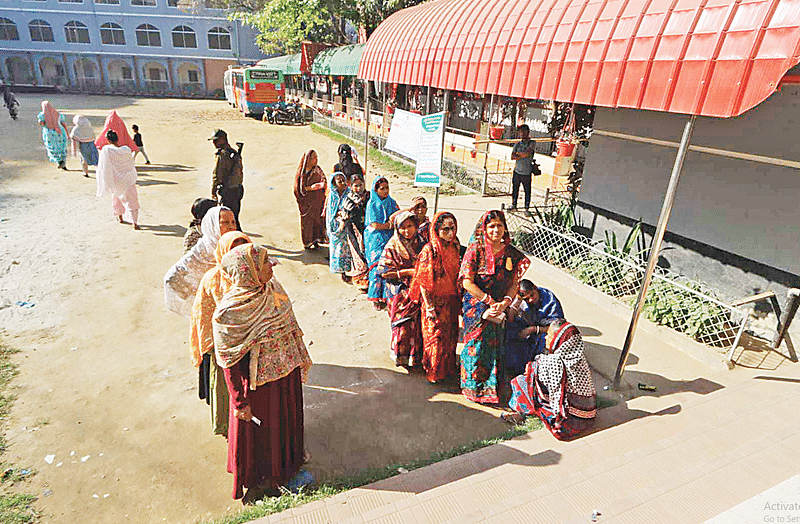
(404, 133)
(429, 152)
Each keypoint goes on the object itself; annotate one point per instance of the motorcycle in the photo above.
(291, 113)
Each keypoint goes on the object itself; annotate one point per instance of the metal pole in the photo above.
(793, 303)
(428, 100)
(445, 120)
(366, 125)
(655, 248)
(488, 145)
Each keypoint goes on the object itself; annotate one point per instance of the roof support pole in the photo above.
(655, 247)
(366, 125)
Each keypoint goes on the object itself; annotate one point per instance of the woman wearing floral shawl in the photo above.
(435, 284)
(54, 134)
(557, 387)
(260, 346)
(339, 252)
(380, 208)
(490, 274)
(201, 334)
(309, 191)
(396, 268)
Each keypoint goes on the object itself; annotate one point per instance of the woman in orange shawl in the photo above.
(309, 191)
(201, 334)
(116, 124)
(436, 285)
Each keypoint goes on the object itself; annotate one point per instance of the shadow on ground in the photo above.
(358, 418)
(304, 256)
(164, 230)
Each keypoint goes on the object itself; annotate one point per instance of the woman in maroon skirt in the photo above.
(260, 345)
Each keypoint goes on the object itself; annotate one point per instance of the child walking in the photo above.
(137, 139)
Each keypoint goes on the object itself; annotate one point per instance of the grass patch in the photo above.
(367, 476)
(15, 508)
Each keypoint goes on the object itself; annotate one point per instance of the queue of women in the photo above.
(248, 347)
(417, 270)
(115, 174)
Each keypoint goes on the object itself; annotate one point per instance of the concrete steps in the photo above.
(687, 456)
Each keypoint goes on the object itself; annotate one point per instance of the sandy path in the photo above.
(126, 397)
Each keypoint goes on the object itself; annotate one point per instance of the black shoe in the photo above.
(147, 162)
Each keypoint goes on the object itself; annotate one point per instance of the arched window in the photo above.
(148, 36)
(77, 32)
(184, 36)
(219, 38)
(112, 34)
(8, 30)
(40, 31)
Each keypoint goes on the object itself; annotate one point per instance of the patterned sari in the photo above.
(378, 210)
(495, 274)
(558, 387)
(437, 274)
(341, 260)
(352, 214)
(399, 254)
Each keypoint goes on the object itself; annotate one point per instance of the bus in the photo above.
(250, 89)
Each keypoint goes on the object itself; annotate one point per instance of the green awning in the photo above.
(338, 61)
(289, 64)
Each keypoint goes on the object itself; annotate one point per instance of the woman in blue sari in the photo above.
(490, 274)
(339, 250)
(378, 232)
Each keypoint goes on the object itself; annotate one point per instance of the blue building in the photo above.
(120, 46)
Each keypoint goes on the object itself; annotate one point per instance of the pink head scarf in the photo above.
(52, 118)
(116, 124)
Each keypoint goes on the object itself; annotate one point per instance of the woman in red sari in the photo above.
(436, 285)
(309, 191)
(396, 267)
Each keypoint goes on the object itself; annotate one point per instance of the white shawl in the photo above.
(116, 173)
(183, 279)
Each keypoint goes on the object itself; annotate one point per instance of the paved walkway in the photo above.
(679, 458)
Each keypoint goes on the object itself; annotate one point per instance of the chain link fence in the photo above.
(617, 270)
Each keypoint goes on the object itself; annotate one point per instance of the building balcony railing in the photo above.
(122, 86)
(156, 86)
(190, 88)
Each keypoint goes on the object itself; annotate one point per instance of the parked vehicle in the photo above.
(251, 89)
(281, 112)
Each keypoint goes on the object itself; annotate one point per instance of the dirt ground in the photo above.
(106, 385)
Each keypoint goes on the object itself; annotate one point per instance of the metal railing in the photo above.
(673, 301)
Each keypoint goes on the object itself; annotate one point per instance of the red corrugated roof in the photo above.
(704, 57)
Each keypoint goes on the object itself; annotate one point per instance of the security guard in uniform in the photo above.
(228, 174)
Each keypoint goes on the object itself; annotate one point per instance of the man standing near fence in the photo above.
(525, 167)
